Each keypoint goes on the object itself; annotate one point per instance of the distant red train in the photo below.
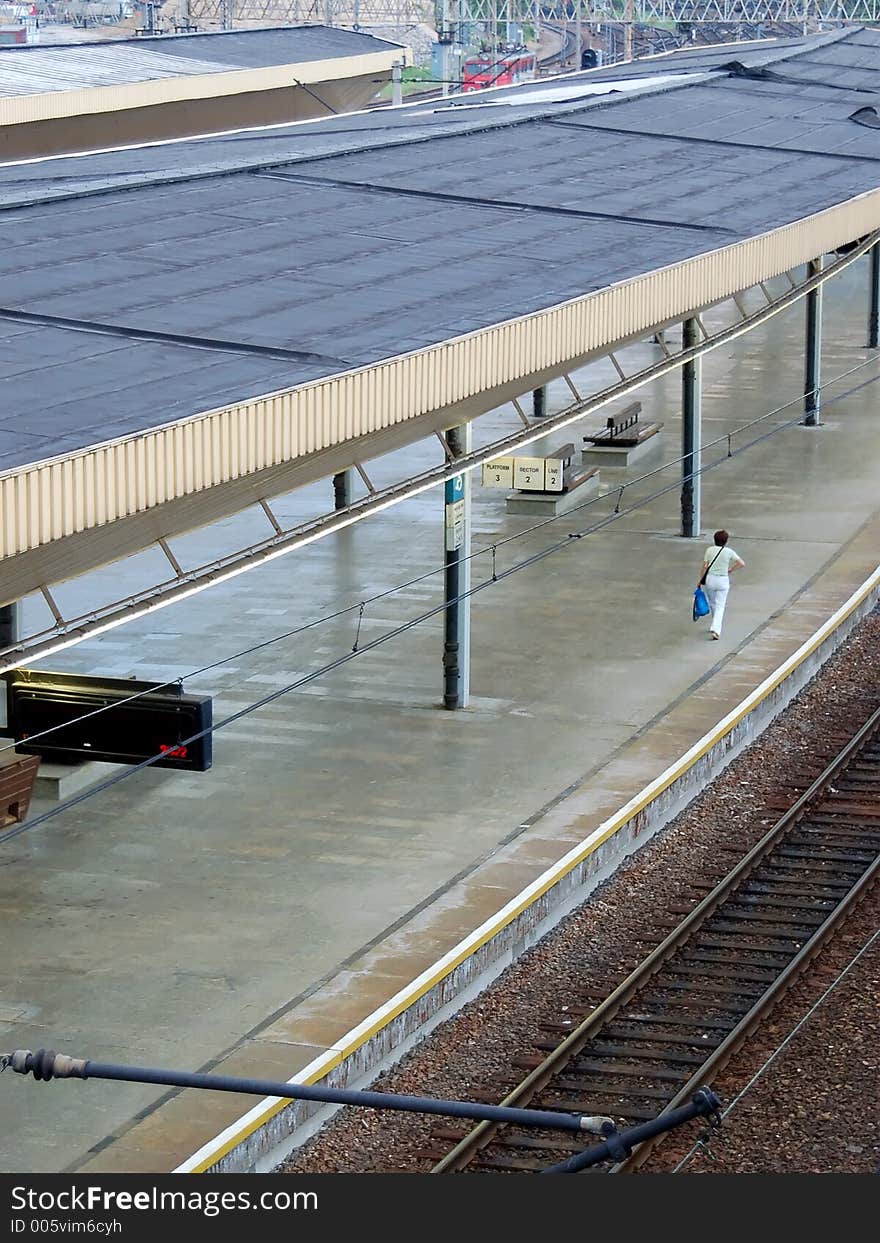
(500, 69)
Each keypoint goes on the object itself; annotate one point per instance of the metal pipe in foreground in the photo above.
(45, 1064)
(618, 1147)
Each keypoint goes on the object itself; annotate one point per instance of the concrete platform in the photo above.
(350, 833)
(56, 782)
(550, 505)
(618, 457)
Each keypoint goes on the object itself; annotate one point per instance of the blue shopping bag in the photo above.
(701, 604)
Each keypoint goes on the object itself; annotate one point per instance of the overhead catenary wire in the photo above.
(492, 548)
(571, 538)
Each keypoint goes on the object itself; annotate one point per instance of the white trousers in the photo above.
(717, 587)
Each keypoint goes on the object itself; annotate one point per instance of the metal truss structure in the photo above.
(64, 632)
(449, 15)
(758, 11)
(350, 13)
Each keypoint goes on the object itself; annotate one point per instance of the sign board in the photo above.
(528, 474)
(454, 513)
(454, 526)
(498, 473)
(553, 468)
(156, 723)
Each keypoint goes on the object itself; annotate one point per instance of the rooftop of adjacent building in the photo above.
(37, 68)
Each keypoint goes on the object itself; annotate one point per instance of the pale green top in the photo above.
(726, 558)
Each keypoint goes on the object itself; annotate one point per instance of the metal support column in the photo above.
(10, 633)
(397, 83)
(691, 432)
(874, 312)
(10, 624)
(539, 402)
(813, 367)
(457, 616)
(342, 489)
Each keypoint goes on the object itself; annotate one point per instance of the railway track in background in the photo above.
(677, 1020)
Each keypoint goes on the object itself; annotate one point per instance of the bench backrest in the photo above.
(626, 418)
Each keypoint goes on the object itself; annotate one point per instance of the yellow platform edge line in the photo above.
(219, 1147)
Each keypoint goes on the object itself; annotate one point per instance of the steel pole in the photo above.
(46, 1065)
(10, 633)
(342, 490)
(445, 38)
(457, 614)
(10, 624)
(813, 361)
(691, 418)
(874, 311)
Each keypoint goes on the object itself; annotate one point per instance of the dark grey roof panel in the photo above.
(282, 45)
(754, 114)
(100, 388)
(197, 274)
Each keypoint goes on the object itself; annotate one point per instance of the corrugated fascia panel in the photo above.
(57, 498)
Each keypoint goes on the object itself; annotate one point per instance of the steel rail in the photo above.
(484, 1132)
(738, 1036)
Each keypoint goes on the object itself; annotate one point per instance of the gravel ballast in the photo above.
(813, 1109)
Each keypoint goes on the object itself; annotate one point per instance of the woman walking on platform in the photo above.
(718, 564)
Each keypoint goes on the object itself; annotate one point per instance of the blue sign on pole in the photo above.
(454, 489)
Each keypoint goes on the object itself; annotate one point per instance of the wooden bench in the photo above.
(573, 476)
(624, 430)
(17, 776)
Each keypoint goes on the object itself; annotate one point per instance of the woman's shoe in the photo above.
(714, 635)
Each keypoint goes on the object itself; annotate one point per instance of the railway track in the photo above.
(676, 1020)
